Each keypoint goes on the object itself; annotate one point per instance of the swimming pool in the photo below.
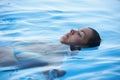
(44, 20)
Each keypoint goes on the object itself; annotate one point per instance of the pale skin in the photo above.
(75, 37)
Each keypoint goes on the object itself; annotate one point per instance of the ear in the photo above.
(74, 47)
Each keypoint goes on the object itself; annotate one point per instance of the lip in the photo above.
(66, 35)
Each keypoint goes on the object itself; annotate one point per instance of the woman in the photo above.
(44, 54)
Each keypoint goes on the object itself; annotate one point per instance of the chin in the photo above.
(62, 40)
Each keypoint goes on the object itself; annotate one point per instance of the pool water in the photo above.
(48, 20)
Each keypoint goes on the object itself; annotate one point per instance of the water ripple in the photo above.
(48, 20)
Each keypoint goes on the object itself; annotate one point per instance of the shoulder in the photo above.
(7, 57)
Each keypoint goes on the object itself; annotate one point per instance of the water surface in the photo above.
(44, 20)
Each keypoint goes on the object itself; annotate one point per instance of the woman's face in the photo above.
(75, 37)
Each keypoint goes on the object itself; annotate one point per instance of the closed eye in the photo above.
(81, 34)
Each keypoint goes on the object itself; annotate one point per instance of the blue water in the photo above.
(48, 20)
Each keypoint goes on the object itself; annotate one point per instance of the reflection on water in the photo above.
(45, 21)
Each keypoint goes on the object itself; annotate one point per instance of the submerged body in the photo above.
(33, 54)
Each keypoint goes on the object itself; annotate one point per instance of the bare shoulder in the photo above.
(7, 57)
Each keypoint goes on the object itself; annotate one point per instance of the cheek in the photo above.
(75, 39)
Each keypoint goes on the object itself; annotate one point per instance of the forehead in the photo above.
(87, 31)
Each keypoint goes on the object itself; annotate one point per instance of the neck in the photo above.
(73, 47)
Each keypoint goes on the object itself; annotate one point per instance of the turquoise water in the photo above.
(48, 20)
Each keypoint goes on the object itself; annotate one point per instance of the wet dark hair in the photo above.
(95, 40)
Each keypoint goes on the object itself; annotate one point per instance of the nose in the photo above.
(72, 31)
